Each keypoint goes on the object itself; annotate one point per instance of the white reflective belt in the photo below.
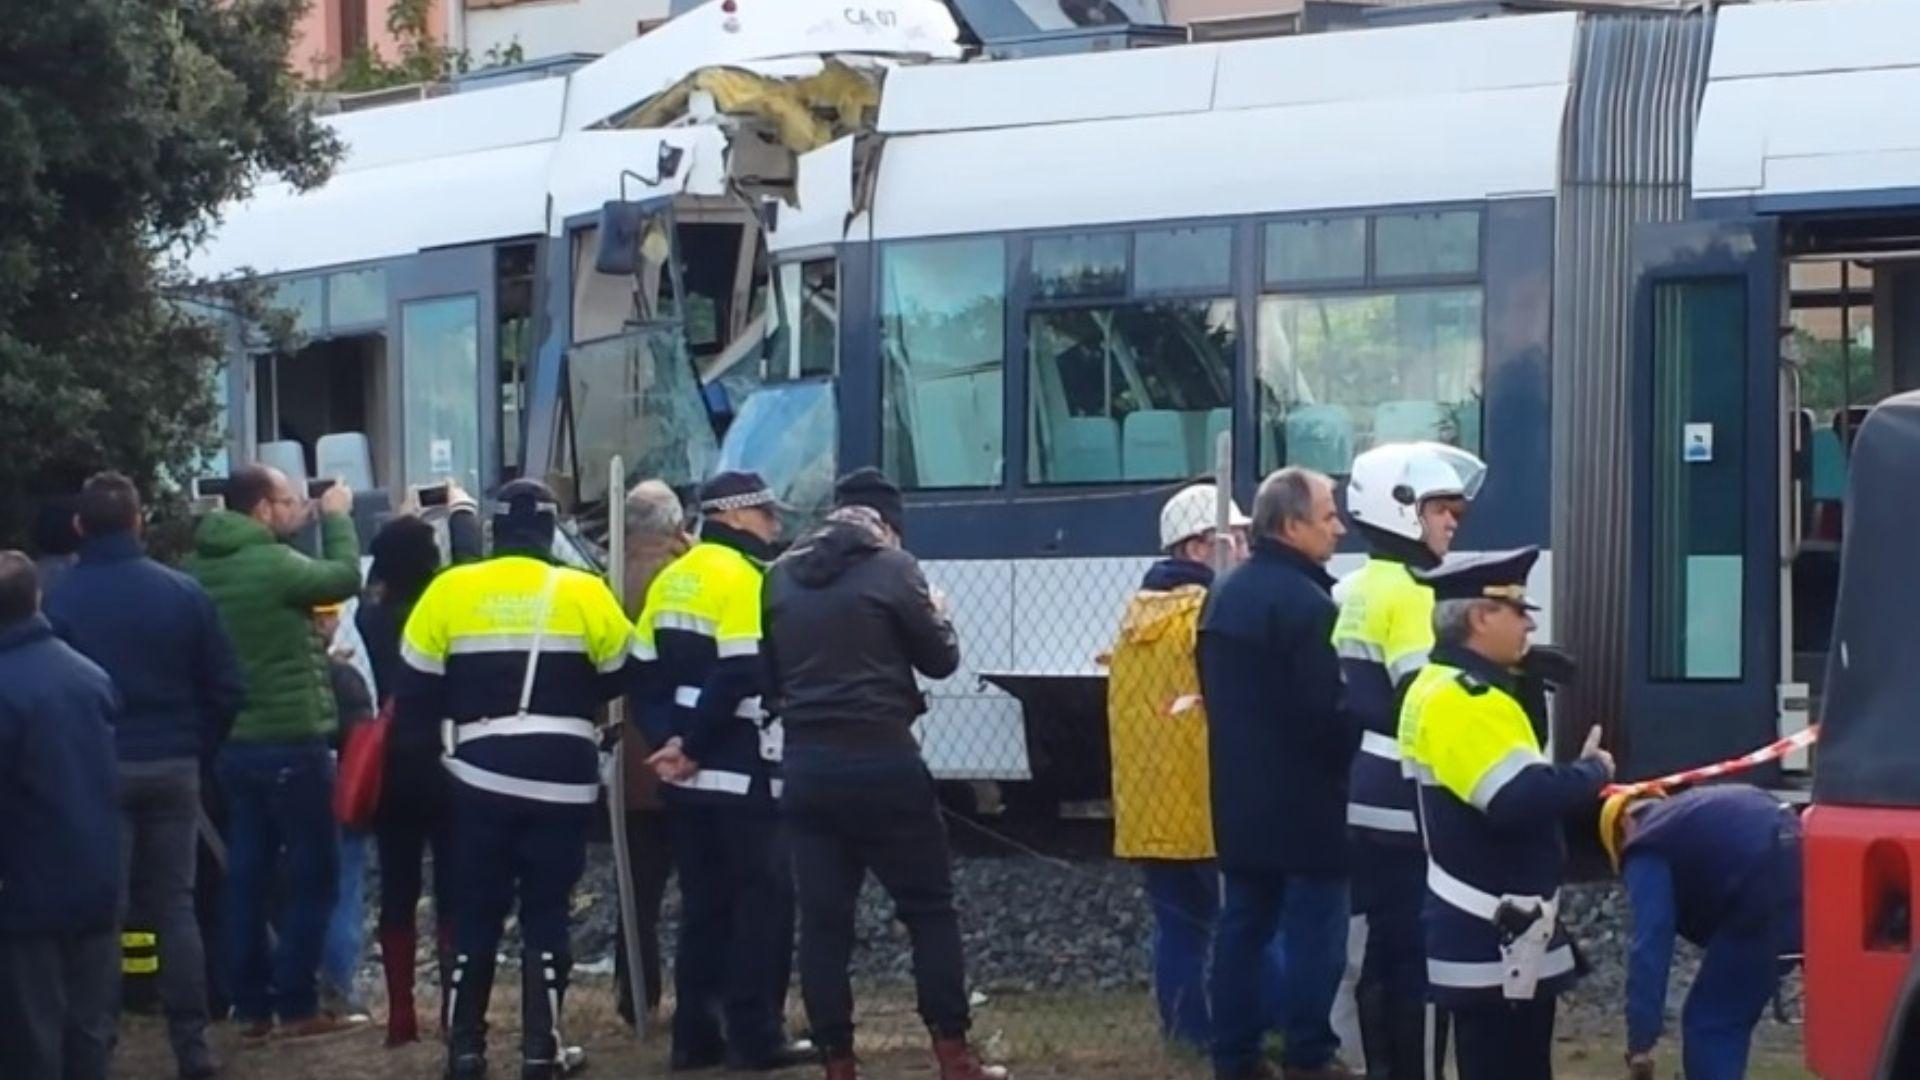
(536, 790)
(720, 780)
(1380, 746)
(1383, 818)
(532, 724)
(688, 697)
(1486, 975)
(1476, 902)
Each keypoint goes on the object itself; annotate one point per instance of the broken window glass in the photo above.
(635, 395)
(789, 434)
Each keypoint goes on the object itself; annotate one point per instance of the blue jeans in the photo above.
(279, 806)
(1310, 916)
(347, 926)
(1737, 978)
(1185, 897)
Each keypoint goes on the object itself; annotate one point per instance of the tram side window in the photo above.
(806, 344)
(1127, 381)
(943, 338)
(1372, 331)
(1128, 391)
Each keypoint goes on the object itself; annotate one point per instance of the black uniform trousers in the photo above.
(1504, 1040)
(735, 952)
(513, 849)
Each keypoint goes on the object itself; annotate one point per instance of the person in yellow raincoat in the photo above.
(1157, 727)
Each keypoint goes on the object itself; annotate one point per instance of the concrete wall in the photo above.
(554, 27)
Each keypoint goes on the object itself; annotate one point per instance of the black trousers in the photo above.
(403, 845)
(887, 820)
(650, 863)
(735, 953)
(159, 838)
(58, 1005)
(1505, 1040)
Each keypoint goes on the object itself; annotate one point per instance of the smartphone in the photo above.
(434, 495)
(317, 488)
(207, 494)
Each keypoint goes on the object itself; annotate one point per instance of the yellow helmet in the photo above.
(1613, 819)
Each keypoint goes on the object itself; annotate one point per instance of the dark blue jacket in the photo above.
(1706, 861)
(59, 810)
(156, 632)
(1279, 737)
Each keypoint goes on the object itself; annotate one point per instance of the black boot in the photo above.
(1376, 1034)
(468, 989)
(544, 1053)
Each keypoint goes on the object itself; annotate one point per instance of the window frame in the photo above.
(1371, 284)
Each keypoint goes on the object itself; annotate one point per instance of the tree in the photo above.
(124, 126)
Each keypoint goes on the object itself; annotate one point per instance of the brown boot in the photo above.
(842, 1067)
(957, 1062)
(396, 958)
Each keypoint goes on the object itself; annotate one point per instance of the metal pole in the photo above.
(1223, 502)
(617, 768)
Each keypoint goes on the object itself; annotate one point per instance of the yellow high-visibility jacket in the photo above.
(1157, 728)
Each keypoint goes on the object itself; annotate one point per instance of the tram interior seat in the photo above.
(1410, 421)
(1086, 450)
(1219, 421)
(1155, 444)
(289, 457)
(1320, 437)
(345, 454)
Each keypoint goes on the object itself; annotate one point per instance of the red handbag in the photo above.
(363, 766)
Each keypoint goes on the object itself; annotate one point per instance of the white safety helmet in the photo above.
(1389, 482)
(1192, 511)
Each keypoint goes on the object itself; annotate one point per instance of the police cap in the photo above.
(1492, 575)
(734, 491)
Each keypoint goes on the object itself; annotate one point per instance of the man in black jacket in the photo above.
(59, 848)
(849, 619)
(156, 632)
(1280, 744)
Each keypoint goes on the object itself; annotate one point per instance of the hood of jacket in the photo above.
(1173, 573)
(223, 532)
(829, 552)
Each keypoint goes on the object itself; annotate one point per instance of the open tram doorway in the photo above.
(1852, 335)
(324, 410)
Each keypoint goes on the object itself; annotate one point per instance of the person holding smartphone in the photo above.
(276, 768)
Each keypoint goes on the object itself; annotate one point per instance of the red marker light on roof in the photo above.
(729, 6)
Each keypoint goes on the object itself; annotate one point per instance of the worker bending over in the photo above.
(1719, 866)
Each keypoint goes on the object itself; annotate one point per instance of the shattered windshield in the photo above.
(787, 433)
(636, 395)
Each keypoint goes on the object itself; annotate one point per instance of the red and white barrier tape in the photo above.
(1771, 752)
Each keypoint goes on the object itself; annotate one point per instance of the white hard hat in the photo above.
(1192, 511)
(1389, 482)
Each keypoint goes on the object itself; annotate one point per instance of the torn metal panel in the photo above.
(804, 113)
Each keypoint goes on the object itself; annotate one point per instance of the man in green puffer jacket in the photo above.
(275, 769)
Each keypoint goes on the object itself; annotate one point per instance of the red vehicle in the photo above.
(1863, 833)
